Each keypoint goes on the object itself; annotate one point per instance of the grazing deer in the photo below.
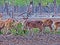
(56, 25)
(2, 24)
(48, 23)
(33, 24)
(9, 24)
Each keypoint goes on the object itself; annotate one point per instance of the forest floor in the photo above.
(45, 39)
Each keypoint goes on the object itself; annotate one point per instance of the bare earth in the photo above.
(45, 39)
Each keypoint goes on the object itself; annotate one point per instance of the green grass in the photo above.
(26, 2)
(19, 30)
(35, 30)
(1, 33)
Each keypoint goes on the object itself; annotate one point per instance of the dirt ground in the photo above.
(45, 39)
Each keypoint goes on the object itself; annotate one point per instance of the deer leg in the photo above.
(41, 30)
(24, 28)
(31, 31)
(8, 31)
(50, 28)
(32, 34)
(0, 30)
(55, 28)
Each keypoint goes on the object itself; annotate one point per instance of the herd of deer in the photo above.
(9, 23)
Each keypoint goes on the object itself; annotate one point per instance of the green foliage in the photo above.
(58, 2)
(35, 30)
(13, 31)
(26, 2)
(1, 32)
(36, 2)
(1, 2)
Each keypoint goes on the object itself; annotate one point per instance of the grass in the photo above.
(1, 33)
(35, 30)
(26, 2)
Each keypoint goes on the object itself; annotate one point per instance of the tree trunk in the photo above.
(54, 7)
(40, 8)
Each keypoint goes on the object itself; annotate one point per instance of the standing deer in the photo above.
(48, 23)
